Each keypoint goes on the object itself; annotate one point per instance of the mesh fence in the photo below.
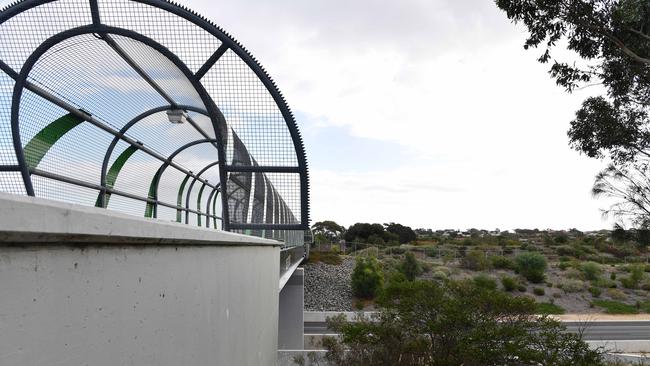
(110, 119)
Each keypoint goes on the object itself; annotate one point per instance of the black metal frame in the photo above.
(211, 111)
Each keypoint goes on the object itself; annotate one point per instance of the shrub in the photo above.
(570, 285)
(616, 307)
(396, 250)
(645, 285)
(501, 262)
(367, 277)
(612, 276)
(539, 291)
(439, 275)
(521, 288)
(475, 260)
(595, 291)
(564, 265)
(459, 315)
(591, 270)
(410, 266)
(486, 282)
(627, 282)
(549, 308)
(509, 283)
(604, 282)
(616, 294)
(531, 266)
(636, 274)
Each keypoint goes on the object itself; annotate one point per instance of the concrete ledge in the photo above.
(31, 220)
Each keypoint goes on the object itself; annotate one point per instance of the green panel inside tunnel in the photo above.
(114, 171)
(40, 144)
(179, 201)
(153, 187)
(198, 204)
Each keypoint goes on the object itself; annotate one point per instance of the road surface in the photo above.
(593, 330)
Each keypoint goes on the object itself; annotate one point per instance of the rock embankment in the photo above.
(327, 287)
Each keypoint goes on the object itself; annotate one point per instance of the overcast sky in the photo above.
(423, 112)
(427, 113)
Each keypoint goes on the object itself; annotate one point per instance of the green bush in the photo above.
(616, 307)
(549, 308)
(539, 291)
(367, 277)
(439, 275)
(509, 283)
(410, 266)
(564, 265)
(635, 277)
(486, 282)
(501, 262)
(591, 270)
(595, 291)
(570, 285)
(612, 276)
(521, 288)
(604, 282)
(616, 294)
(475, 260)
(627, 282)
(531, 266)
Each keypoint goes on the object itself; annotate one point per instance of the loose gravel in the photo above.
(327, 287)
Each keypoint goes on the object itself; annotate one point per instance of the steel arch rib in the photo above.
(153, 186)
(189, 189)
(21, 81)
(123, 131)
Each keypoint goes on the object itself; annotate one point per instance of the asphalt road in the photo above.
(593, 331)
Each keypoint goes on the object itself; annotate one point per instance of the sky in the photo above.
(424, 112)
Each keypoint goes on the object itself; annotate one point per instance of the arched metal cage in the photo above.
(144, 107)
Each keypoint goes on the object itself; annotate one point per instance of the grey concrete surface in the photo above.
(25, 219)
(291, 321)
(99, 288)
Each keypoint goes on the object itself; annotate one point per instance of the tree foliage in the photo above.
(367, 278)
(404, 233)
(532, 266)
(329, 230)
(453, 324)
(380, 234)
(410, 267)
(630, 187)
(611, 42)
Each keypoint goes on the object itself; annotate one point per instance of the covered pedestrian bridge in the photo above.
(134, 133)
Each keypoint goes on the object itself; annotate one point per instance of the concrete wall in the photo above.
(291, 323)
(104, 294)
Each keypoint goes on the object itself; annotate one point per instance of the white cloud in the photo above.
(448, 81)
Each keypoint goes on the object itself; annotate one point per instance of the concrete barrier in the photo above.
(89, 286)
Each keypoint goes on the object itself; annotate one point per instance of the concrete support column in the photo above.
(291, 325)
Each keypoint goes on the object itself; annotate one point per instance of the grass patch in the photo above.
(616, 307)
(325, 257)
(548, 308)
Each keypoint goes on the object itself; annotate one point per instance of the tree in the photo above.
(405, 233)
(362, 231)
(611, 39)
(330, 230)
(531, 266)
(367, 278)
(410, 267)
(453, 324)
(630, 186)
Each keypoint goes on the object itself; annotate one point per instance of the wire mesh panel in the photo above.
(144, 107)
